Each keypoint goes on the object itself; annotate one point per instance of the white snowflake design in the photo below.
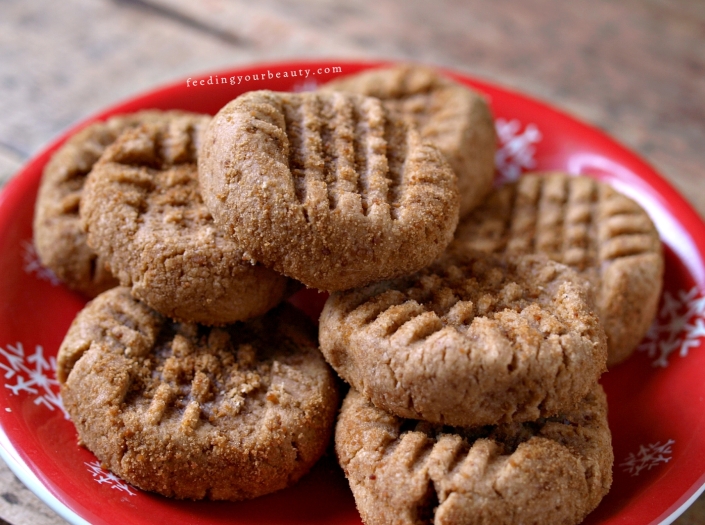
(103, 476)
(679, 326)
(32, 374)
(648, 457)
(32, 265)
(516, 150)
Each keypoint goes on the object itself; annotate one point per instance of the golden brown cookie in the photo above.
(331, 189)
(473, 339)
(406, 472)
(143, 214)
(588, 225)
(449, 115)
(195, 412)
(58, 237)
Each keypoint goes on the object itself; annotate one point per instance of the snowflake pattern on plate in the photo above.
(679, 326)
(648, 457)
(516, 151)
(32, 374)
(103, 476)
(32, 265)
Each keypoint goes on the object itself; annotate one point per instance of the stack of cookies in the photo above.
(469, 322)
(190, 379)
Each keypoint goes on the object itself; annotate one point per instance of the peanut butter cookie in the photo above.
(195, 412)
(405, 472)
(58, 236)
(331, 189)
(143, 214)
(471, 340)
(449, 115)
(588, 225)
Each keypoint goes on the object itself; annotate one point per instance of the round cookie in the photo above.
(143, 214)
(449, 115)
(58, 237)
(331, 189)
(406, 472)
(195, 412)
(471, 340)
(607, 237)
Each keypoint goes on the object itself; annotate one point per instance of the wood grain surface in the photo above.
(634, 68)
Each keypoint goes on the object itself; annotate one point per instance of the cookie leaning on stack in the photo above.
(331, 189)
(143, 213)
(58, 237)
(471, 340)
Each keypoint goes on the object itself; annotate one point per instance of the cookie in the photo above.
(471, 340)
(197, 412)
(58, 237)
(449, 115)
(406, 472)
(588, 225)
(331, 189)
(143, 214)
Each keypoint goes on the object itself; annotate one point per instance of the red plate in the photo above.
(657, 397)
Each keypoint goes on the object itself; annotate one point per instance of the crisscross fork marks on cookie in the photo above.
(446, 114)
(128, 328)
(575, 220)
(159, 162)
(157, 146)
(217, 413)
(552, 216)
(143, 211)
(473, 339)
(444, 295)
(552, 470)
(586, 224)
(59, 237)
(207, 380)
(339, 153)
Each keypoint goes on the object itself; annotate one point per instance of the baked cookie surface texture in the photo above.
(197, 412)
(405, 472)
(586, 224)
(58, 236)
(451, 116)
(143, 213)
(473, 339)
(331, 189)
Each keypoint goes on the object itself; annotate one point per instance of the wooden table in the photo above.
(635, 68)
